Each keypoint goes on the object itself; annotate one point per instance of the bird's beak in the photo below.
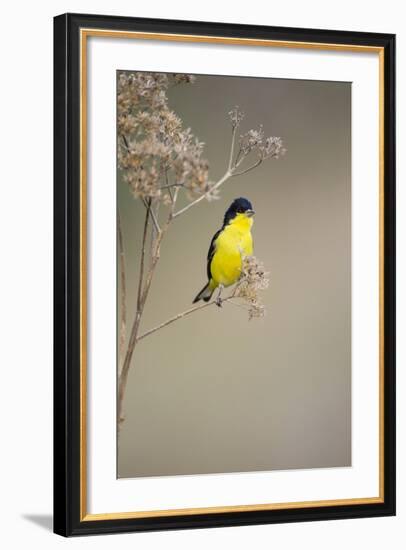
(249, 213)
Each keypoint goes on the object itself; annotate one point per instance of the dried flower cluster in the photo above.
(253, 279)
(236, 116)
(155, 152)
(255, 140)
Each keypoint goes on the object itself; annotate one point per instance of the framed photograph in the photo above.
(224, 274)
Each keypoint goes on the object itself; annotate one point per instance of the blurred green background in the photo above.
(215, 392)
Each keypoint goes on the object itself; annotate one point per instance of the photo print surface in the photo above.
(233, 274)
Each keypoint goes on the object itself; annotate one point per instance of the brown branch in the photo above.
(239, 160)
(154, 261)
(174, 198)
(122, 382)
(142, 262)
(226, 176)
(122, 288)
(152, 214)
(125, 142)
(173, 319)
(249, 168)
(154, 231)
(230, 162)
(181, 315)
(170, 185)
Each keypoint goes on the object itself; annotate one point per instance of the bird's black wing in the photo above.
(211, 252)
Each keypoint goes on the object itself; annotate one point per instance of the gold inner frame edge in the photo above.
(84, 34)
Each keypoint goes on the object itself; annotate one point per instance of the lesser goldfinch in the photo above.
(227, 249)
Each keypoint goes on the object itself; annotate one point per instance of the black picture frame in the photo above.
(68, 519)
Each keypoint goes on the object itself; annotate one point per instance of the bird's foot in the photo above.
(219, 301)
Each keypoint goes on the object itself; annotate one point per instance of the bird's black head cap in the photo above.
(238, 206)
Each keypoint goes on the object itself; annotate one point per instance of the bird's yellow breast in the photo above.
(233, 243)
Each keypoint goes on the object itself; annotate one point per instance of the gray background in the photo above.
(214, 392)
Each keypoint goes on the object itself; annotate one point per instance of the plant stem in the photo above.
(183, 314)
(152, 214)
(249, 168)
(226, 176)
(230, 162)
(134, 330)
(122, 288)
(175, 318)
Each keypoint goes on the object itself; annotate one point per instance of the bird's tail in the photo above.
(205, 294)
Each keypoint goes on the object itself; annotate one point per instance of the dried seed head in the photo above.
(272, 147)
(236, 116)
(265, 147)
(254, 279)
(151, 138)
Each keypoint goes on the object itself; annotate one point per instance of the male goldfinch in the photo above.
(228, 248)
